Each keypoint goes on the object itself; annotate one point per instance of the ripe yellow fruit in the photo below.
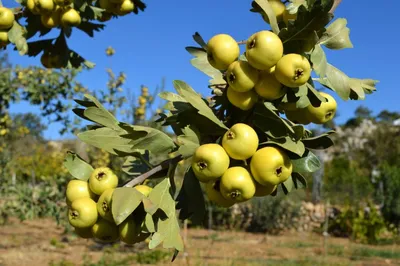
(70, 18)
(279, 9)
(4, 37)
(270, 166)
(293, 70)
(142, 100)
(53, 19)
(325, 112)
(145, 190)
(241, 76)
(31, 5)
(105, 231)
(222, 50)
(287, 16)
(242, 100)
(83, 213)
(264, 49)
(240, 141)
(124, 8)
(6, 18)
(104, 205)
(214, 194)
(45, 6)
(77, 189)
(262, 191)
(237, 184)
(102, 179)
(209, 162)
(268, 87)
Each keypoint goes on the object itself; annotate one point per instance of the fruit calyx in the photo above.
(105, 206)
(278, 171)
(101, 175)
(202, 165)
(74, 214)
(298, 73)
(230, 135)
(234, 194)
(328, 114)
(252, 44)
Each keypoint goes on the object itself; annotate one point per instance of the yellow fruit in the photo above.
(270, 166)
(31, 5)
(124, 8)
(214, 194)
(242, 100)
(51, 20)
(293, 70)
(237, 184)
(145, 190)
(70, 18)
(77, 189)
(142, 100)
(107, 5)
(83, 213)
(279, 9)
(102, 179)
(240, 141)
(222, 50)
(4, 37)
(209, 162)
(268, 87)
(104, 205)
(324, 113)
(62, 3)
(287, 16)
(264, 49)
(128, 231)
(241, 76)
(6, 18)
(262, 191)
(45, 6)
(105, 231)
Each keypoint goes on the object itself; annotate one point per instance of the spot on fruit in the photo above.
(105, 206)
(298, 73)
(279, 171)
(202, 165)
(252, 44)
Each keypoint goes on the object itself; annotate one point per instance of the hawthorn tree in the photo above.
(248, 139)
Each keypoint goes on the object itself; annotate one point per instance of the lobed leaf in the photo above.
(336, 35)
(124, 201)
(307, 164)
(77, 167)
(188, 142)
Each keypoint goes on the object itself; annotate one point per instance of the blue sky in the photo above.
(151, 45)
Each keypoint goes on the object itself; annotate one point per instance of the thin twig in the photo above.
(162, 166)
(242, 42)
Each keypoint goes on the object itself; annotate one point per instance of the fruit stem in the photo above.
(242, 42)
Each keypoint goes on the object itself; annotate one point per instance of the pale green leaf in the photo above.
(307, 164)
(124, 201)
(170, 96)
(337, 35)
(16, 35)
(362, 86)
(318, 58)
(287, 186)
(188, 142)
(77, 167)
(267, 8)
(337, 81)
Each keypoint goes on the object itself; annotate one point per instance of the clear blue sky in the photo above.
(150, 46)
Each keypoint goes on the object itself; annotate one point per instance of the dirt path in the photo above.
(42, 243)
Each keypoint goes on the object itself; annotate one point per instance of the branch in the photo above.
(335, 5)
(162, 166)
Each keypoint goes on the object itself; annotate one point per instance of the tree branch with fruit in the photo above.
(248, 140)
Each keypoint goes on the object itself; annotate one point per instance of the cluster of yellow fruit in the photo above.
(267, 73)
(54, 13)
(90, 203)
(281, 13)
(140, 111)
(115, 7)
(225, 170)
(7, 19)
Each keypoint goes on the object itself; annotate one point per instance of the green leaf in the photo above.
(287, 186)
(197, 102)
(75, 61)
(124, 201)
(133, 166)
(299, 179)
(337, 81)
(149, 223)
(361, 87)
(294, 5)
(36, 47)
(267, 8)
(172, 97)
(89, 27)
(319, 62)
(308, 23)
(307, 164)
(188, 142)
(300, 91)
(77, 167)
(16, 35)
(101, 116)
(200, 41)
(168, 230)
(303, 102)
(200, 62)
(289, 144)
(320, 142)
(337, 35)
(191, 200)
(269, 121)
(108, 139)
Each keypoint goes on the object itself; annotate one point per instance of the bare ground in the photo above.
(41, 242)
